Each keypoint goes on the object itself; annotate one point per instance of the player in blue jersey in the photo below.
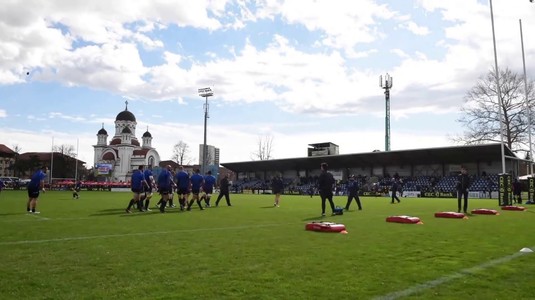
(137, 184)
(183, 187)
(165, 186)
(37, 183)
(196, 183)
(171, 194)
(208, 188)
(149, 178)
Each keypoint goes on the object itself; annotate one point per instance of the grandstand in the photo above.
(430, 170)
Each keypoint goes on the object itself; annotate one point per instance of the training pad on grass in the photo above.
(325, 226)
(450, 215)
(404, 219)
(485, 211)
(513, 207)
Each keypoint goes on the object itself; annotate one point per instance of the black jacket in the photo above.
(325, 182)
(223, 185)
(463, 182)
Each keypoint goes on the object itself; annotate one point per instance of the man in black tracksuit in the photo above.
(394, 189)
(223, 190)
(325, 187)
(463, 182)
(353, 192)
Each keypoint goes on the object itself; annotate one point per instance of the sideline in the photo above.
(460, 274)
(45, 219)
(136, 234)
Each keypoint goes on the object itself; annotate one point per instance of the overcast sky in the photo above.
(300, 73)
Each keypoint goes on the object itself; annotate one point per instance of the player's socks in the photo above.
(130, 204)
(199, 203)
(162, 205)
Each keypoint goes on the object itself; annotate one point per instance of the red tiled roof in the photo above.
(115, 142)
(141, 152)
(6, 150)
(42, 156)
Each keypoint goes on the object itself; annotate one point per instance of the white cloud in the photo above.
(60, 115)
(399, 53)
(415, 28)
(345, 24)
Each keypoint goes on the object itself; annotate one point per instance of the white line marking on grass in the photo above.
(135, 234)
(436, 282)
(39, 217)
(47, 219)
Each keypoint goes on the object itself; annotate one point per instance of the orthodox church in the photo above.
(124, 153)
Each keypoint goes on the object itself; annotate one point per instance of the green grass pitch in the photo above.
(90, 249)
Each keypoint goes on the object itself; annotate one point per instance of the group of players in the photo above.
(201, 188)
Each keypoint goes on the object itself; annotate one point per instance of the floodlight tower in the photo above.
(386, 85)
(205, 92)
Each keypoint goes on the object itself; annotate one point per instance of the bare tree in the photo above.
(181, 153)
(481, 118)
(65, 149)
(16, 148)
(264, 148)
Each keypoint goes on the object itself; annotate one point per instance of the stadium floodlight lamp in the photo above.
(206, 92)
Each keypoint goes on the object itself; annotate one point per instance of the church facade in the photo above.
(124, 152)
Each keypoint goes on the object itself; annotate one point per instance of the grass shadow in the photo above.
(318, 218)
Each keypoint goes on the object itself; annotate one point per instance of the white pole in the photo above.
(76, 161)
(528, 108)
(498, 86)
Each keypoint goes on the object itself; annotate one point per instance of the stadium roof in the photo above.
(445, 155)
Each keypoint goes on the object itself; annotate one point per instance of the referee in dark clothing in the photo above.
(463, 181)
(325, 187)
(223, 191)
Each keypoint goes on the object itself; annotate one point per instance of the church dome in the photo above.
(102, 131)
(147, 134)
(125, 115)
